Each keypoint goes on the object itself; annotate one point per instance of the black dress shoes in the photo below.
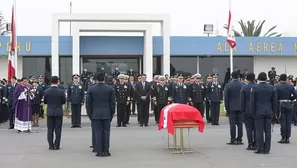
(124, 125)
(51, 148)
(239, 142)
(232, 142)
(259, 152)
(146, 125)
(251, 147)
(57, 148)
(287, 140)
(282, 141)
(119, 125)
(141, 125)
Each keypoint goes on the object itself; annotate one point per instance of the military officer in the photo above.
(285, 94)
(130, 72)
(9, 100)
(215, 96)
(132, 95)
(207, 101)
(180, 93)
(2, 101)
(122, 99)
(75, 95)
(197, 93)
(43, 85)
(161, 96)
(116, 73)
(154, 107)
(37, 90)
(245, 108)
(130, 90)
(263, 107)
(233, 109)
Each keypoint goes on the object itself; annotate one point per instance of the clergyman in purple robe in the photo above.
(22, 102)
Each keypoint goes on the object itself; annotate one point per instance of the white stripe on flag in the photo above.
(165, 115)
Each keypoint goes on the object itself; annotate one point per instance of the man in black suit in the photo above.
(54, 97)
(101, 108)
(143, 91)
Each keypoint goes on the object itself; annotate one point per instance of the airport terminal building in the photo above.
(188, 55)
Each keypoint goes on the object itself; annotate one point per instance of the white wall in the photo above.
(282, 64)
(4, 67)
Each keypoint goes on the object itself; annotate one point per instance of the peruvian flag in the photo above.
(230, 31)
(12, 53)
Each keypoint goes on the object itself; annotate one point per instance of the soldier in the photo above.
(116, 73)
(245, 108)
(215, 96)
(37, 102)
(43, 85)
(130, 90)
(180, 92)
(207, 101)
(132, 96)
(153, 106)
(122, 99)
(233, 109)
(130, 72)
(263, 107)
(75, 93)
(2, 101)
(272, 74)
(197, 93)
(285, 94)
(9, 100)
(161, 96)
(188, 81)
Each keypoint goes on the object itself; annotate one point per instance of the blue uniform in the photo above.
(101, 107)
(90, 117)
(285, 94)
(75, 93)
(232, 106)
(263, 106)
(9, 92)
(215, 96)
(245, 108)
(180, 93)
(2, 101)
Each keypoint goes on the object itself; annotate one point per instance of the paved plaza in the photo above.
(136, 147)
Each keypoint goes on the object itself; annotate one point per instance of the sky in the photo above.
(187, 17)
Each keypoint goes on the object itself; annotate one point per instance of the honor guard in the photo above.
(75, 93)
(215, 96)
(2, 102)
(43, 85)
(132, 95)
(9, 100)
(161, 96)
(180, 92)
(154, 83)
(263, 107)
(122, 99)
(197, 93)
(130, 90)
(285, 94)
(207, 101)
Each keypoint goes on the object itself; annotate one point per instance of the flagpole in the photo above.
(231, 60)
(16, 41)
(70, 11)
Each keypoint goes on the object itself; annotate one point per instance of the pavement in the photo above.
(139, 147)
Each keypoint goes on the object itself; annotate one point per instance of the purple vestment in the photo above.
(23, 108)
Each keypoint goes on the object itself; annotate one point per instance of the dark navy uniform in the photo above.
(233, 108)
(215, 96)
(154, 107)
(100, 104)
(285, 94)
(75, 95)
(263, 107)
(132, 97)
(161, 97)
(90, 117)
(44, 87)
(9, 99)
(207, 101)
(180, 93)
(249, 121)
(2, 103)
(37, 100)
(197, 95)
(122, 94)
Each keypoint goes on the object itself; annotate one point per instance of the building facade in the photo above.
(188, 55)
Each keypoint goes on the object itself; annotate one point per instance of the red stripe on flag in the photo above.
(12, 55)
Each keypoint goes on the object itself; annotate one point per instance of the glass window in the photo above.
(183, 65)
(66, 69)
(157, 65)
(36, 66)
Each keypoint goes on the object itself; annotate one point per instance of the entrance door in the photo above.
(94, 65)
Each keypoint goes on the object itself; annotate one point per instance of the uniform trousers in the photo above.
(200, 107)
(207, 110)
(1, 113)
(159, 108)
(294, 115)
(76, 114)
(236, 119)
(11, 116)
(250, 129)
(102, 135)
(215, 112)
(285, 122)
(263, 133)
(127, 114)
(121, 113)
(156, 113)
(54, 124)
(93, 135)
(143, 112)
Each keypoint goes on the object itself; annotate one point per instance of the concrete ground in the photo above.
(136, 147)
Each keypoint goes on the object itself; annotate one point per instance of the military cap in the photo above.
(209, 76)
(192, 77)
(156, 77)
(40, 76)
(34, 81)
(180, 76)
(197, 75)
(4, 80)
(75, 75)
(272, 68)
(30, 76)
(126, 76)
(162, 78)
(121, 76)
(215, 75)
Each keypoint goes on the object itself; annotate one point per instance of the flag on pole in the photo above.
(230, 31)
(12, 52)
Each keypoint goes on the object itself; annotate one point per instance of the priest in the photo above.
(22, 104)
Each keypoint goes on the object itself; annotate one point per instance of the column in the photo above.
(165, 59)
(55, 46)
(148, 54)
(75, 50)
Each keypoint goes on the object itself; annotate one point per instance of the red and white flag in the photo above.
(230, 30)
(12, 57)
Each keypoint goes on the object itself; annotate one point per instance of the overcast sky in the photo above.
(187, 16)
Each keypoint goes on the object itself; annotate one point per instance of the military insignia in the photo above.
(176, 87)
(212, 86)
(219, 86)
(202, 86)
(71, 87)
(166, 88)
(185, 87)
(251, 89)
(125, 87)
(80, 87)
